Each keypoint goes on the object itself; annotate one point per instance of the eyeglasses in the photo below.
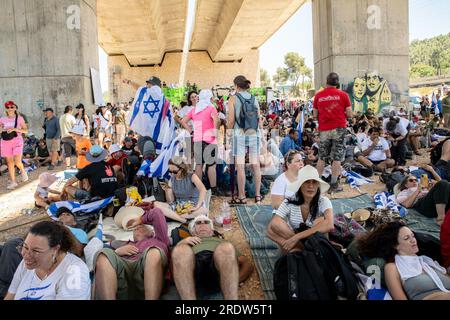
(199, 222)
(412, 180)
(33, 252)
(12, 107)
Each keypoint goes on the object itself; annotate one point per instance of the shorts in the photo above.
(205, 153)
(332, 144)
(82, 195)
(243, 143)
(69, 146)
(106, 131)
(130, 274)
(11, 148)
(53, 145)
(207, 278)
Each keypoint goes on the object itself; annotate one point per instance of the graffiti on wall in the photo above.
(370, 91)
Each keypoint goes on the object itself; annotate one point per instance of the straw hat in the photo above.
(360, 215)
(125, 214)
(46, 179)
(307, 173)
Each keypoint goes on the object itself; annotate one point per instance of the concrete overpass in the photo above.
(48, 46)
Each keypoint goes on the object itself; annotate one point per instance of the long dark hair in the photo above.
(298, 200)
(381, 242)
(81, 106)
(242, 82)
(392, 123)
(56, 235)
(402, 185)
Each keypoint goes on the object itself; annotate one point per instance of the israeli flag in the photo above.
(160, 166)
(144, 170)
(301, 123)
(153, 116)
(75, 207)
(386, 200)
(355, 179)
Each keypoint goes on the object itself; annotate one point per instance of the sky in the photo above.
(427, 18)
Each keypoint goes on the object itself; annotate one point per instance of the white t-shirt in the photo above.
(377, 154)
(401, 127)
(361, 137)
(104, 119)
(292, 214)
(279, 187)
(69, 281)
(183, 113)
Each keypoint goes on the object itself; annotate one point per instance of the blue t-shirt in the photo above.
(81, 236)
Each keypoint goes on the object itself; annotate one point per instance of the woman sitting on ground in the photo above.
(293, 162)
(432, 201)
(407, 275)
(184, 187)
(48, 269)
(304, 214)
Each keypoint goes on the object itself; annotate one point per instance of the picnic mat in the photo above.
(417, 222)
(254, 221)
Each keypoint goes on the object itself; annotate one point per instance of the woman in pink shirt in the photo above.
(206, 121)
(12, 127)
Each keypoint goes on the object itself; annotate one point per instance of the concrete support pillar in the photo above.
(47, 50)
(367, 43)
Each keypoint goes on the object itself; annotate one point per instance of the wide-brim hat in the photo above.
(307, 173)
(125, 214)
(96, 154)
(360, 215)
(46, 179)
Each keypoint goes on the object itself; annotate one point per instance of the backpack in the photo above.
(248, 117)
(150, 187)
(319, 272)
(130, 166)
(436, 152)
(391, 179)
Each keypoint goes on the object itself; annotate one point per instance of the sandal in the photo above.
(234, 202)
(258, 200)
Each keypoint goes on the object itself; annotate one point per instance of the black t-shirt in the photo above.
(42, 152)
(101, 177)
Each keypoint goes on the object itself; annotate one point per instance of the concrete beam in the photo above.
(142, 30)
(228, 30)
(47, 50)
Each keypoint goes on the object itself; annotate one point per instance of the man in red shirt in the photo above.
(116, 159)
(332, 108)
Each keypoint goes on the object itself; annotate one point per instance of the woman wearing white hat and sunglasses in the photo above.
(306, 213)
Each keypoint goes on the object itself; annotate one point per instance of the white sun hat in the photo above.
(307, 173)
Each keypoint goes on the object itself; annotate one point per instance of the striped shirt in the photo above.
(293, 216)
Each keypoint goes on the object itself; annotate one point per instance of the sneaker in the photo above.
(59, 163)
(51, 167)
(12, 186)
(24, 176)
(334, 188)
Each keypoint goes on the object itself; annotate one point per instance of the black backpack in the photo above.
(319, 272)
(248, 117)
(148, 187)
(130, 166)
(391, 179)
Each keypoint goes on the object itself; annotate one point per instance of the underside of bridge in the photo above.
(48, 47)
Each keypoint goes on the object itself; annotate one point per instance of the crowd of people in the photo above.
(294, 151)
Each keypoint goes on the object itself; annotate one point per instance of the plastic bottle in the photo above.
(226, 214)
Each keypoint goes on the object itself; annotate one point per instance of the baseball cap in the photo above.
(107, 140)
(48, 109)
(114, 148)
(128, 139)
(10, 103)
(154, 81)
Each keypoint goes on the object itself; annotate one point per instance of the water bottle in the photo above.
(226, 214)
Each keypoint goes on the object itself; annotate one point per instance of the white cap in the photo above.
(114, 148)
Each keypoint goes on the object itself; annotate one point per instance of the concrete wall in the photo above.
(43, 63)
(200, 69)
(352, 42)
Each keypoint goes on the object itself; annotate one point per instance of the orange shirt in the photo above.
(83, 145)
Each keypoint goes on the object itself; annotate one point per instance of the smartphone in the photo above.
(424, 181)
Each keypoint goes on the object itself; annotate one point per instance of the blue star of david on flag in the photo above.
(151, 113)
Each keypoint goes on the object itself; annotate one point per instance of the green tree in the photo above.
(280, 77)
(295, 71)
(265, 78)
(421, 70)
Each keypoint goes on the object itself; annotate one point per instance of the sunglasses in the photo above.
(199, 222)
(412, 180)
(11, 107)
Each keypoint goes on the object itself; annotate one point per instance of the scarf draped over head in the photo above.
(204, 100)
